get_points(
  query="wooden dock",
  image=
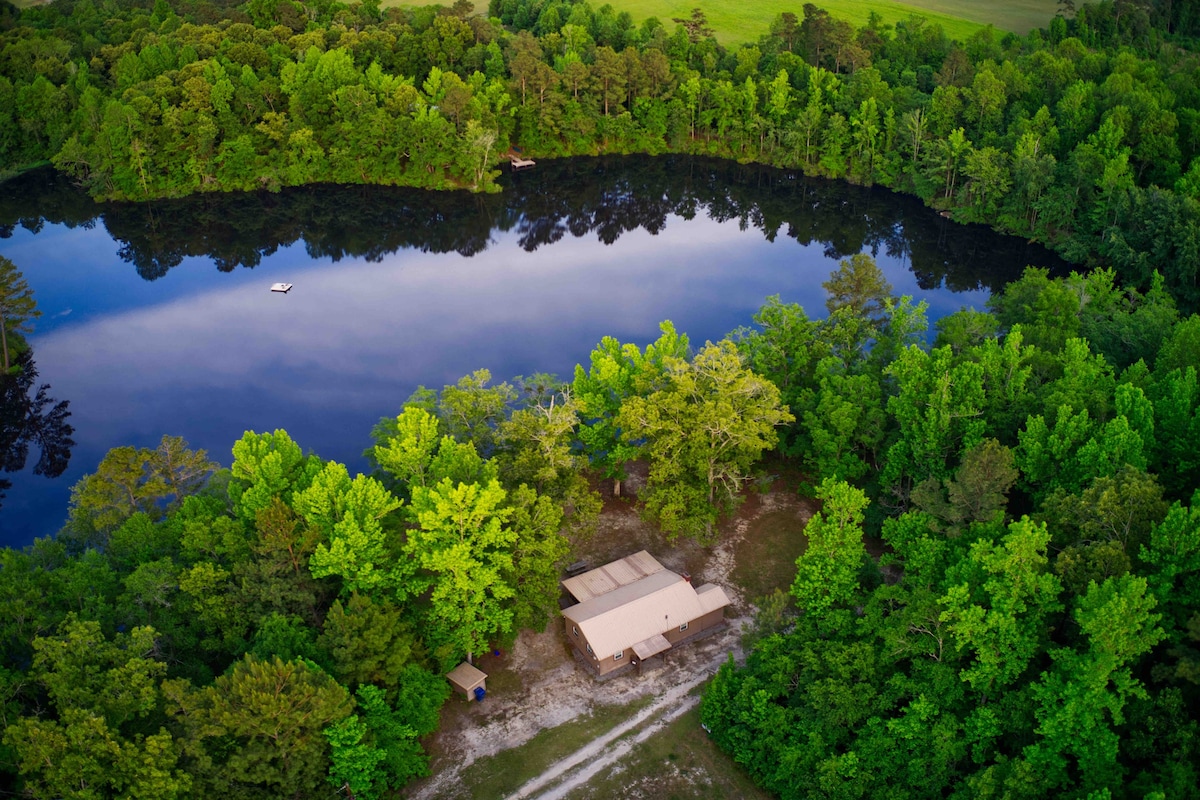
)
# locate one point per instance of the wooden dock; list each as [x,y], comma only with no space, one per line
[522,163]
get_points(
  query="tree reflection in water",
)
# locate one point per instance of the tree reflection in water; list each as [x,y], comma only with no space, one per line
[29,416]
[606,197]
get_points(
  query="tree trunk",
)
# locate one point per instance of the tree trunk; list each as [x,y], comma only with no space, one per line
[616,487]
[4,339]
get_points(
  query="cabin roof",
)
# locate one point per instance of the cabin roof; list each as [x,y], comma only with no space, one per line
[636,612]
[613,575]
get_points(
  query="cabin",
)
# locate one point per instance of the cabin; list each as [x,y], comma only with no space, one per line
[633,609]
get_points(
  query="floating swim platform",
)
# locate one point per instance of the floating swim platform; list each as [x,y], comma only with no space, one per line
[281,287]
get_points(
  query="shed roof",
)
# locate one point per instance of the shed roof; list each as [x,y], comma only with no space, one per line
[637,611]
[613,575]
[466,677]
[651,647]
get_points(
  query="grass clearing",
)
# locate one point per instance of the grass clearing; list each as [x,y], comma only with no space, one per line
[1019,16]
[739,21]
[481,6]
[505,772]
[766,557]
[736,23]
[680,762]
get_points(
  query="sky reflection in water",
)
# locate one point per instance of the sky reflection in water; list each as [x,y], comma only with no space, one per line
[208,355]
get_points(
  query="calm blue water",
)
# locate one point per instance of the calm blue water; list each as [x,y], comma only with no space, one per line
[207,354]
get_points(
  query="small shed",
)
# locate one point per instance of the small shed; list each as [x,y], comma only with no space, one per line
[466,679]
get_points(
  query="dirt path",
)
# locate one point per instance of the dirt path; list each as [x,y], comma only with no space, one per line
[605,751]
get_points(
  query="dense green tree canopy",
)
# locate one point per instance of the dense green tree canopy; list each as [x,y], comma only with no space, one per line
[999,653]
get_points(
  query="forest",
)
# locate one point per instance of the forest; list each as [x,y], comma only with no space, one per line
[1031,628]
[278,628]
[1082,135]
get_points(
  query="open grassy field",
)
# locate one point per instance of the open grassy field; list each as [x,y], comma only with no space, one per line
[738,21]
[1020,16]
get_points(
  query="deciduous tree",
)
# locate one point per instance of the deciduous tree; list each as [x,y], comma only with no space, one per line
[704,431]
[617,373]
[464,550]
[827,570]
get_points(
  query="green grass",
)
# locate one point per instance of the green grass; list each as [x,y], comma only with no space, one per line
[678,762]
[1019,16]
[739,21]
[766,559]
[481,6]
[502,774]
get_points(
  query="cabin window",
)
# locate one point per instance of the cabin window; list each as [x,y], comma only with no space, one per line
[589,647]
[618,656]
[574,630]
[683,627]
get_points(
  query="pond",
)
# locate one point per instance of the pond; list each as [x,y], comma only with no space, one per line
[160,319]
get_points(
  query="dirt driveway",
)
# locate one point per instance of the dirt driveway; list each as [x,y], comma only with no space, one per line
[542,687]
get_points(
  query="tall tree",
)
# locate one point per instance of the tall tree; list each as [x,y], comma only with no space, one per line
[136,480]
[998,612]
[1088,690]
[349,515]
[256,731]
[103,691]
[827,570]
[17,306]
[464,550]
[266,465]
[618,372]
[368,641]
[704,431]
[938,408]
[471,409]
[537,448]
[405,447]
